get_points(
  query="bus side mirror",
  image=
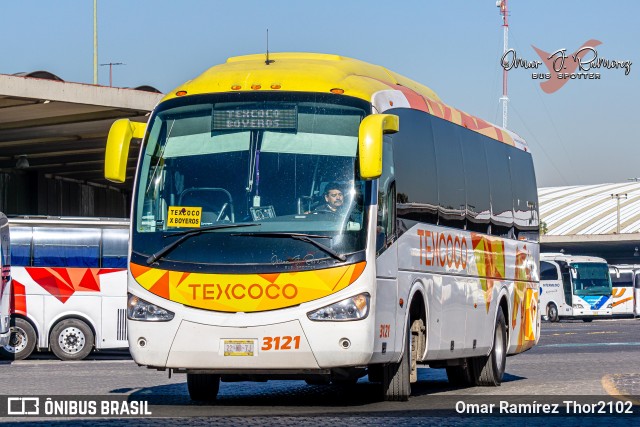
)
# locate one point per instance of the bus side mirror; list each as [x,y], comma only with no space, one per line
[371,132]
[117,152]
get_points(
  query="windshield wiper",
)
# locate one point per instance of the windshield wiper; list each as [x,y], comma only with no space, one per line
[303,238]
[189,233]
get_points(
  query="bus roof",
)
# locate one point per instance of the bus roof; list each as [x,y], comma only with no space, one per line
[61,221]
[570,258]
[325,73]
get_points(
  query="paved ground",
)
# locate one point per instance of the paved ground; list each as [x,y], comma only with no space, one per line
[577,361]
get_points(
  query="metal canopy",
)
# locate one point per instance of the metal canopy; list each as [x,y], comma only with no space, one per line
[62,127]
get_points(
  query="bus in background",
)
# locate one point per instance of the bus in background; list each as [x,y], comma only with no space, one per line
[317,217]
[623,278]
[69,286]
[5,279]
[576,287]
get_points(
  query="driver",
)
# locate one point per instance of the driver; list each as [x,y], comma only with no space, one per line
[334,199]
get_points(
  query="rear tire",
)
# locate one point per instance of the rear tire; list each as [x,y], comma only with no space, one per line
[461,375]
[22,341]
[203,387]
[552,313]
[490,369]
[71,339]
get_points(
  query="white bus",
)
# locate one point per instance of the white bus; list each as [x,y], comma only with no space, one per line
[5,279]
[68,286]
[574,287]
[276,233]
[623,280]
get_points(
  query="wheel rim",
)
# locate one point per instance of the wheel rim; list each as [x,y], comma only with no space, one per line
[499,347]
[552,312]
[71,340]
[17,341]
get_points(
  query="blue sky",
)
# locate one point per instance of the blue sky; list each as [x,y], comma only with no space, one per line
[585,133]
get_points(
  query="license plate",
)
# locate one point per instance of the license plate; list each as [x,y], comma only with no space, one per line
[238,347]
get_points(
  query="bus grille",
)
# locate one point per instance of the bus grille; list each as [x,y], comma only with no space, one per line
[121,330]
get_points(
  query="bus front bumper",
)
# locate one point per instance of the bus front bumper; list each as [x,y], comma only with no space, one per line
[187,345]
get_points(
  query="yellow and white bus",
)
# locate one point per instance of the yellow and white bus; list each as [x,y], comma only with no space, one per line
[623,281]
[239,269]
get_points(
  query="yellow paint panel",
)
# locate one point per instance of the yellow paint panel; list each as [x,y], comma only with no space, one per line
[247,292]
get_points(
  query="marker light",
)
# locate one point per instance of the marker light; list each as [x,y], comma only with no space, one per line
[181,93]
[256,87]
[337,90]
[236,87]
[139,309]
[354,308]
[276,86]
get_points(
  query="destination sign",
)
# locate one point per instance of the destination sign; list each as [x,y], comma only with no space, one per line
[256,117]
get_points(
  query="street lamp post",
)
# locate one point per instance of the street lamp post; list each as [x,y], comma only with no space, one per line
[618,196]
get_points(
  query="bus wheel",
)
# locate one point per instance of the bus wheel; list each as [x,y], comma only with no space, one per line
[490,369]
[461,375]
[71,339]
[22,341]
[396,377]
[552,313]
[203,387]
[587,320]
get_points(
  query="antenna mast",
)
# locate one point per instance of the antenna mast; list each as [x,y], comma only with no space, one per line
[504,11]
[268,61]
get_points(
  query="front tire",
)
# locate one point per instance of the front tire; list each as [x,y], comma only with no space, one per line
[22,341]
[490,369]
[552,313]
[71,339]
[397,377]
[203,387]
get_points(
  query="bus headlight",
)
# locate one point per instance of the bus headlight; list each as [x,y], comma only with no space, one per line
[354,308]
[577,306]
[139,309]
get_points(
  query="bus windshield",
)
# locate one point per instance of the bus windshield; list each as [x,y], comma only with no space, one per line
[266,160]
[590,279]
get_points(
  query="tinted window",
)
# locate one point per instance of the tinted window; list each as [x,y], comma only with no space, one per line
[20,246]
[66,247]
[115,243]
[477,181]
[451,190]
[501,196]
[621,279]
[525,194]
[548,271]
[416,178]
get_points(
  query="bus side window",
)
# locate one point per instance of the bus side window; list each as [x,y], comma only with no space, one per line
[451,183]
[476,173]
[548,271]
[501,192]
[66,247]
[115,243]
[21,246]
[385,229]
